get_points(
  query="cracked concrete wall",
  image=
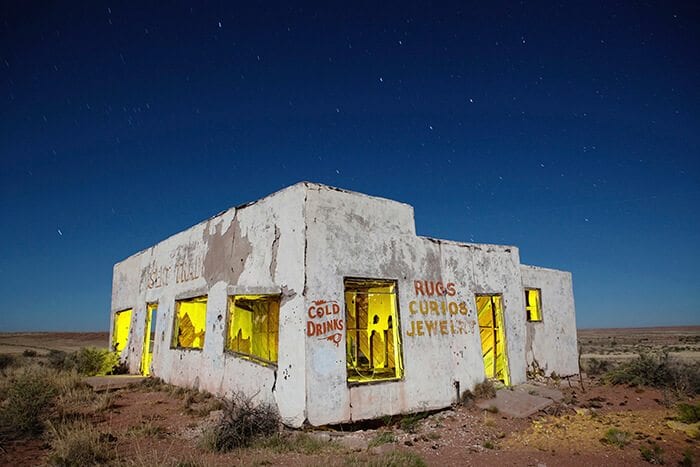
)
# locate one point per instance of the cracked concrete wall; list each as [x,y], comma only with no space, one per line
[359,236]
[247,250]
[552,342]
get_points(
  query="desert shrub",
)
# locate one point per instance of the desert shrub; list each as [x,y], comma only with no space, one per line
[652,454]
[56,359]
[595,367]
[485,390]
[29,353]
[659,372]
[409,423]
[76,399]
[616,437]
[398,459]
[79,444]
[385,437]
[6,361]
[88,361]
[28,397]
[391,459]
[688,413]
[242,423]
[91,361]
[687,459]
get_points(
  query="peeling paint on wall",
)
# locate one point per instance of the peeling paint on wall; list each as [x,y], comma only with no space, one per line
[302,245]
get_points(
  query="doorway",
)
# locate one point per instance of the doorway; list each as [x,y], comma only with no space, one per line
[493,342]
[149,338]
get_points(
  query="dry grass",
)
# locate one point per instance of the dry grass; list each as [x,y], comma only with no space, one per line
[78,444]
[392,459]
[27,394]
[242,423]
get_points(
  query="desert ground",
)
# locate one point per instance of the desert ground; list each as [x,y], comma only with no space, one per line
[596,422]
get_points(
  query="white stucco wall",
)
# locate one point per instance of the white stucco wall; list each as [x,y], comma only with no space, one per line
[552,342]
[358,236]
[301,242]
[252,249]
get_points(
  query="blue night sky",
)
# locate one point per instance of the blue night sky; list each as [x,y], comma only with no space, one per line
[571,131]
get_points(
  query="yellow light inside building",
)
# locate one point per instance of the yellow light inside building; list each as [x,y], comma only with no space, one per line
[120,332]
[372,338]
[190,323]
[253,326]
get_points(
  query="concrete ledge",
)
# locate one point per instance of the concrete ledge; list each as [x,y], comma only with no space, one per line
[518,404]
[105,383]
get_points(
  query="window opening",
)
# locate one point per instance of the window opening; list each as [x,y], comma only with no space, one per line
[533,304]
[372,331]
[190,323]
[149,338]
[493,341]
[120,333]
[253,326]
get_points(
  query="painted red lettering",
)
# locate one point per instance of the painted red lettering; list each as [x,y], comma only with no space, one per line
[451,289]
[418,285]
[439,288]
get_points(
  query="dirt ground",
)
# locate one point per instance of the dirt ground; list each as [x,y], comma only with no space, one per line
[43,342]
[162,425]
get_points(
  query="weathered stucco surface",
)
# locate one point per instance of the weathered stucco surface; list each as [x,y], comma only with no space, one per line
[551,344]
[302,242]
[253,249]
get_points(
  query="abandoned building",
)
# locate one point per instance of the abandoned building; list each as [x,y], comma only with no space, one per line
[327,305]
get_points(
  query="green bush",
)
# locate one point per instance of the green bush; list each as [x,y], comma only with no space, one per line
[28,397]
[657,371]
[687,459]
[652,454]
[391,459]
[595,367]
[242,423]
[615,437]
[384,437]
[409,423]
[88,361]
[688,413]
[6,361]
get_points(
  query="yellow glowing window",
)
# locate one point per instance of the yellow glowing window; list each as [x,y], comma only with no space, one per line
[533,304]
[372,331]
[253,326]
[190,323]
[120,333]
